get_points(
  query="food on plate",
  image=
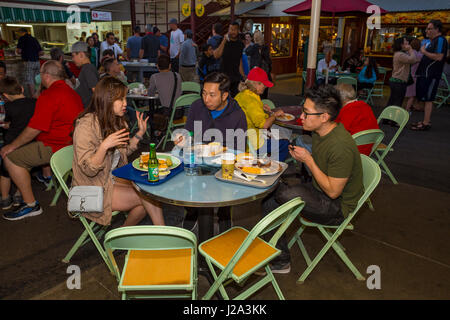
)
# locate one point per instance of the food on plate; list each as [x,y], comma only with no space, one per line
[164,164]
[286,117]
[245,156]
[252,170]
[210,150]
[264,162]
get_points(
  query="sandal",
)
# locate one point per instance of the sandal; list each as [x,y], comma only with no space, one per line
[421,127]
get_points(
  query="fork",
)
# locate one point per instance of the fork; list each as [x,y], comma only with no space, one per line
[252,178]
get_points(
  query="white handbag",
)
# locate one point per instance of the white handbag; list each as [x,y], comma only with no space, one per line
[85,199]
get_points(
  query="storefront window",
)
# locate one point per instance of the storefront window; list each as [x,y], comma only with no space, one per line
[281,40]
[380,41]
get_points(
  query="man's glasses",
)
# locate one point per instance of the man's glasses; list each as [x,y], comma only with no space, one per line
[312,114]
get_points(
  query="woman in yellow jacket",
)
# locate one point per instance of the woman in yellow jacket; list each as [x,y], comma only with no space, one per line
[260,118]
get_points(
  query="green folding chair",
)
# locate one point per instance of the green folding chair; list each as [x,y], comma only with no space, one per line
[378,86]
[135,85]
[399,116]
[61,164]
[269,103]
[181,102]
[371,136]
[159,258]
[190,87]
[348,80]
[304,82]
[238,253]
[443,93]
[372,175]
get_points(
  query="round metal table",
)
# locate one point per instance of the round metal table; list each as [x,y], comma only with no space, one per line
[202,192]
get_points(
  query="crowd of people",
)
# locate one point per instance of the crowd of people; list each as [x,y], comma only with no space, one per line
[89,111]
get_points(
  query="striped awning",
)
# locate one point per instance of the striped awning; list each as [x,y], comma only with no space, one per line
[14,15]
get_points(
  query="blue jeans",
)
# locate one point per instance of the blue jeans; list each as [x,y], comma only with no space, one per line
[283,149]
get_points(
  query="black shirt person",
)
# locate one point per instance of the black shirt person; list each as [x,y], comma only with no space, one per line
[231,50]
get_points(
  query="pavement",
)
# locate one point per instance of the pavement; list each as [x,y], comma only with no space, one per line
[406,237]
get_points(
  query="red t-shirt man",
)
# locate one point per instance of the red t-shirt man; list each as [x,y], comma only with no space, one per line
[358,116]
[56,109]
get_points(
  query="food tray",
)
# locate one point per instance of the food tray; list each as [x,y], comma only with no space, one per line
[129,173]
[270,180]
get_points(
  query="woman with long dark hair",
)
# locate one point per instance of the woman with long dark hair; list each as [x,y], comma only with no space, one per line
[368,74]
[403,58]
[101,143]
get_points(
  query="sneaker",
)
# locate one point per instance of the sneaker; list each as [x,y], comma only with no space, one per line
[17,200]
[6,203]
[23,211]
[276,267]
[45,180]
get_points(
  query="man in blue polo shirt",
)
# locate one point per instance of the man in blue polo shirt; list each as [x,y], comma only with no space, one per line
[30,50]
[429,71]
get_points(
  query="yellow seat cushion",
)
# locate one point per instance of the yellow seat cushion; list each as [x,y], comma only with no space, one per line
[180,121]
[158,267]
[223,247]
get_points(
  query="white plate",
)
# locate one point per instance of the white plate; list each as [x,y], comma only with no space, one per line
[286,117]
[274,168]
[205,151]
[176,162]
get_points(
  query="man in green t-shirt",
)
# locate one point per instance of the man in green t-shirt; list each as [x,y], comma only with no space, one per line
[335,165]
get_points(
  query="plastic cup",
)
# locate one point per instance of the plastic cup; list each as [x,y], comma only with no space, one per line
[228,165]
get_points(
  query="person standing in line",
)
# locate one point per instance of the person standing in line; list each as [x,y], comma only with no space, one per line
[88,76]
[176,39]
[429,71]
[93,50]
[163,41]
[134,44]
[149,46]
[215,42]
[30,50]
[110,43]
[188,58]
[259,54]
[230,50]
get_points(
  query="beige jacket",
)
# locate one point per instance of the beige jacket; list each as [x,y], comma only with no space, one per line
[402,65]
[86,140]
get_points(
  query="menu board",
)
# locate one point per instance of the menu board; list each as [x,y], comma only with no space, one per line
[416,17]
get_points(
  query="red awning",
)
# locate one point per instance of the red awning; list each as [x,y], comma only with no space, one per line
[333,6]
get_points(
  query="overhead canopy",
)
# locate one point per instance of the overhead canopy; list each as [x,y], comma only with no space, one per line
[333,6]
[241,8]
[38,12]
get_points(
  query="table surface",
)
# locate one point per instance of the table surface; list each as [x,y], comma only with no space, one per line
[296,111]
[138,96]
[202,191]
[138,64]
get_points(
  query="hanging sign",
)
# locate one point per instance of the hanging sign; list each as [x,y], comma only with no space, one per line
[101,16]
[186,9]
[199,10]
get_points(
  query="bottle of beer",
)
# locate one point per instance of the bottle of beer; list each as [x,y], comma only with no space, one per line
[153,171]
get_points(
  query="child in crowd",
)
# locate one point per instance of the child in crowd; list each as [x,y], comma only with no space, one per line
[18,112]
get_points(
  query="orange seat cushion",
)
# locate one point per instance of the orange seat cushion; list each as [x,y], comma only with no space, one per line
[158,267]
[180,121]
[223,247]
